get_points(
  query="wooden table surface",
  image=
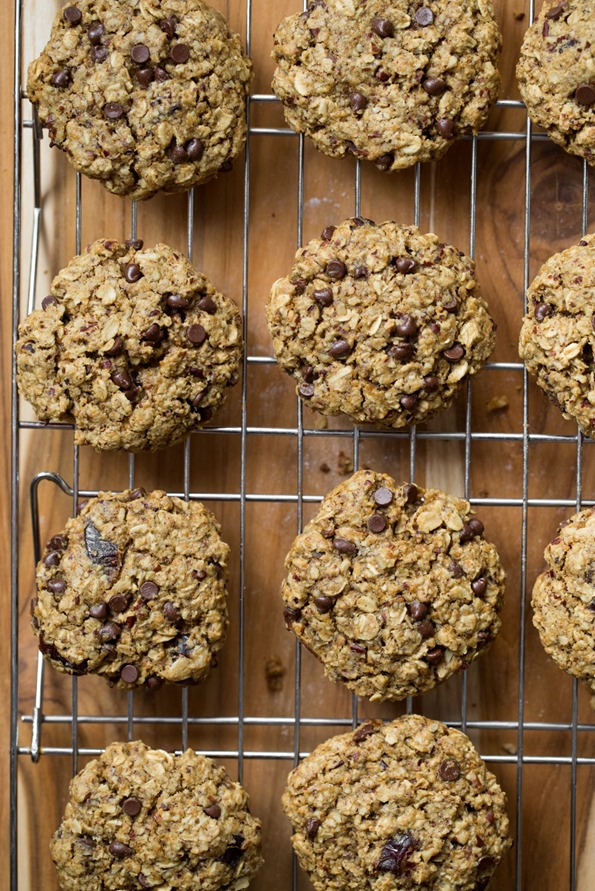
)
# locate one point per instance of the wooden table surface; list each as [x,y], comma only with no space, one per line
[541,815]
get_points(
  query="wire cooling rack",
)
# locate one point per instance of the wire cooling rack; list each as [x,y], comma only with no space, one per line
[30,724]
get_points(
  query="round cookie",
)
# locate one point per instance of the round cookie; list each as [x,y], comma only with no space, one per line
[393,83]
[381,322]
[144,95]
[556,76]
[393,588]
[134,589]
[403,805]
[557,339]
[564,598]
[133,344]
[143,818]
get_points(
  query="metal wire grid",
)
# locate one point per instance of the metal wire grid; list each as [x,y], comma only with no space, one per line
[298,498]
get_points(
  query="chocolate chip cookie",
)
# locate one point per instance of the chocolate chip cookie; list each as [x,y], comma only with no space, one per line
[143,818]
[391,82]
[557,335]
[381,322]
[133,344]
[144,95]
[564,598]
[393,588]
[556,76]
[134,589]
[403,805]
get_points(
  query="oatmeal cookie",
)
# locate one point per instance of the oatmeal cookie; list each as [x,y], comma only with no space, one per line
[406,805]
[133,344]
[394,83]
[393,588]
[557,336]
[134,589]
[556,74]
[381,322]
[143,818]
[143,95]
[564,598]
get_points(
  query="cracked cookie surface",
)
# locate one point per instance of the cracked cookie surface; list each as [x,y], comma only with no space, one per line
[139,817]
[381,322]
[393,588]
[557,336]
[133,343]
[394,83]
[556,75]
[134,589]
[146,95]
[406,805]
[564,598]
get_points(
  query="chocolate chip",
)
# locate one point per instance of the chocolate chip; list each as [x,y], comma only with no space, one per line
[445,127]
[171,613]
[382,75]
[431,383]
[58,542]
[406,326]
[161,74]
[291,615]
[542,310]
[98,611]
[99,53]
[148,590]
[62,78]
[213,811]
[117,349]
[405,265]
[449,771]
[383,496]
[143,881]
[48,301]
[336,270]
[323,603]
[122,380]
[72,15]
[113,111]
[384,162]
[456,570]
[99,550]
[451,304]
[57,585]
[153,683]
[308,373]
[357,222]
[199,574]
[424,16]
[180,53]
[176,301]
[426,629]
[360,272]
[153,334]
[132,273]
[178,154]
[402,352]
[118,603]
[145,76]
[394,857]
[479,586]
[411,493]
[435,656]
[169,25]
[194,149]
[343,546]
[196,334]
[136,244]
[358,102]
[382,27]
[328,232]
[131,806]
[585,94]
[129,674]
[120,850]
[434,86]
[409,401]
[556,11]
[363,731]
[377,523]
[96,33]
[312,827]
[476,526]
[324,296]
[485,863]
[417,610]
[140,53]
[454,353]
[109,631]
[233,852]
[306,391]
[339,349]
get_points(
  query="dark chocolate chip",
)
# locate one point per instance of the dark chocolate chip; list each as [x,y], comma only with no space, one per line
[213,811]
[434,86]
[405,265]
[451,304]
[445,127]
[479,586]
[109,631]
[58,542]
[476,526]
[99,550]
[360,272]
[486,863]
[133,273]
[143,881]
[312,827]
[176,301]
[456,570]
[171,613]
[180,53]
[382,75]
[120,850]
[406,326]
[424,16]
[140,53]
[168,26]
[306,390]
[394,857]
[48,301]
[426,629]
[148,590]
[99,53]
[383,496]
[57,585]
[431,383]
[232,854]
[344,546]
[291,615]
[324,296]
[411,493]
[119,603]
[196,334]
[449,771]
[72,15]
[117,349]
[328,232]
[145,76]
[135,243]
[382,27]
[153,334]
[402,352]
[122,380]
[161,74]
[131,806]
[178,154]
[556,11]
[96,33]
[323,603]
[409,401]
[199,574]
[336,270]
[98,611]
[129,674]
[384,162]
[585,94]
[153,683]
[62,78]
[113,111]
[435,656]
[377,523]
[417,610]
[358,102]
[339,349]
[363,731]
[542,310]
[454,353]
[194,149]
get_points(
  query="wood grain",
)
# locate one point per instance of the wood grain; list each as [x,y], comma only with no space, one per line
[271,463]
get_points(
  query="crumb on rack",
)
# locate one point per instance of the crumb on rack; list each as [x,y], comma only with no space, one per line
[274,672]
[497,403]
[344,463]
